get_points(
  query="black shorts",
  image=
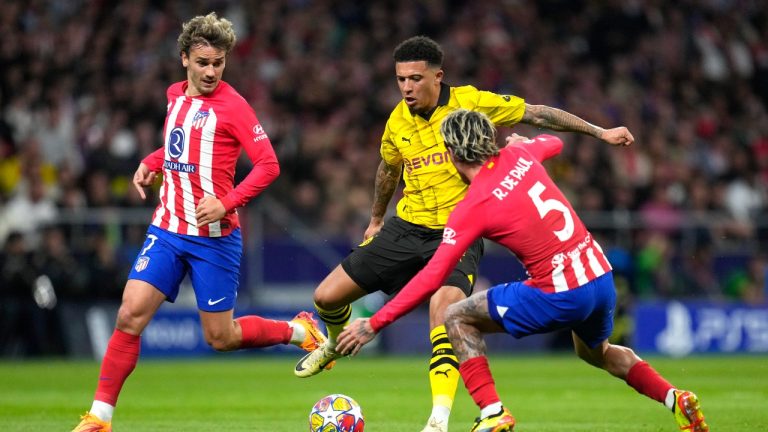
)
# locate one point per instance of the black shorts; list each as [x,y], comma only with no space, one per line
[394,256]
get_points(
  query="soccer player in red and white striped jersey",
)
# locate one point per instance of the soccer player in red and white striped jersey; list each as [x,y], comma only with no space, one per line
[195,229]
[513,201]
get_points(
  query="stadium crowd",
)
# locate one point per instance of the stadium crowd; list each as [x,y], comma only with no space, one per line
[82,99]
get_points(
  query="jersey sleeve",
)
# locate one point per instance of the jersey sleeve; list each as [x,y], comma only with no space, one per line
[154,160]
[250,134]
[389,151]
[542,147]
[462,229]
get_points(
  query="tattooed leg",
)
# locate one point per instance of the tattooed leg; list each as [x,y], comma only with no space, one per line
[466,322]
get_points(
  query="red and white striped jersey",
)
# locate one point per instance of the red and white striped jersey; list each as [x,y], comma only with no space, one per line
[204,136]
[515,203]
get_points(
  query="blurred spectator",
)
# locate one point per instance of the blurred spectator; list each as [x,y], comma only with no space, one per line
[55,260]
[30,209]
[25,327]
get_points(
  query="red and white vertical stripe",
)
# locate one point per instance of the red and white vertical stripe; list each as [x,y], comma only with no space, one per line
[181,191]
[581,268]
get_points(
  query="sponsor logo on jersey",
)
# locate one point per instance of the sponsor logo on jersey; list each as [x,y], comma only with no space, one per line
[449,236]
[437,158]
[573,254]
[516,174]
[141,263]
[199,119]
[180,167]
[176,142]
[258,133]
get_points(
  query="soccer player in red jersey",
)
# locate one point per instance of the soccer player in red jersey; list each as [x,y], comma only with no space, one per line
[195,228]
[513,201]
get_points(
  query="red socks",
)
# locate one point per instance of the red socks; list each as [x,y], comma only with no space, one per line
[643,378]
[261,332]
[479,382]
[119,361]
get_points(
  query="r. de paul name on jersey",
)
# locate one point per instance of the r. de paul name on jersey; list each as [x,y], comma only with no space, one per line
[512,179]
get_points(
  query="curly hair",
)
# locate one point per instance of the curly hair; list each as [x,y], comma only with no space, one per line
[208,30]
[419,48]
[470,136]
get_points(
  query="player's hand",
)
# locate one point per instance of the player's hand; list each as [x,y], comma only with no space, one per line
[514,138]
[373,228]
[142,178]
[618,136]
[354,336]
[209,209]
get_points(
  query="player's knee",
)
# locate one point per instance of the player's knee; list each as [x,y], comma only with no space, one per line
[220,341]
[327,299]
[128,320]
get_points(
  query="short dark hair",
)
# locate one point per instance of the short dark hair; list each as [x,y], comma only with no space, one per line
[419,48]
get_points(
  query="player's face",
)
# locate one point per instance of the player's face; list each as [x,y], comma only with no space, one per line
[419,85]
[205,65]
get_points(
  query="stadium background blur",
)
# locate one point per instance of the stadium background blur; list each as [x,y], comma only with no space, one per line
[682,214]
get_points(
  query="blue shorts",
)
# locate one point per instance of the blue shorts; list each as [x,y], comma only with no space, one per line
[213,265]
[587,310]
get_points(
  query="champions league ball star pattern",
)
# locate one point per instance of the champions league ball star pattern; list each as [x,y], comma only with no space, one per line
[336,413]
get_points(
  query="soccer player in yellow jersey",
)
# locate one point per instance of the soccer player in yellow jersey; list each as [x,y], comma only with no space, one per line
[394,251]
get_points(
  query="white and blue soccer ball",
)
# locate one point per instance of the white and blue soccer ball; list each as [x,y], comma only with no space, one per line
[336,413]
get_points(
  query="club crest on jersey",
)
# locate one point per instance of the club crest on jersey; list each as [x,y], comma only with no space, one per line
[141,263]
[199,119]
[448,236]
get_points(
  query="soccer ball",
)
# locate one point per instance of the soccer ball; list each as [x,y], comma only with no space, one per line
[336,413]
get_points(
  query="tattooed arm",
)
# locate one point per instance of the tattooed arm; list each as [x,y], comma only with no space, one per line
[387,179]
[543,116]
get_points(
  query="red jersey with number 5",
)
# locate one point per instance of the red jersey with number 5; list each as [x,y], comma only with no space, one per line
[204,136]
[515,203]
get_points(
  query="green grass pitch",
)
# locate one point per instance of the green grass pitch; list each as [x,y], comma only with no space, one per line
[260,393]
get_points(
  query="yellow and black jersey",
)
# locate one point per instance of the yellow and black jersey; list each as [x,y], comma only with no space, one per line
[432,185]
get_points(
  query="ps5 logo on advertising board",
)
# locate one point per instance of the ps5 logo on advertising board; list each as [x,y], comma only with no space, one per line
[702,327]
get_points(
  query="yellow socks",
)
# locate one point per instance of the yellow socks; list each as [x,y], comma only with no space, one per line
[443,373]
[334,320]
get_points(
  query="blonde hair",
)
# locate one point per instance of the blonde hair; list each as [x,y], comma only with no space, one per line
[208,30]
[470,135]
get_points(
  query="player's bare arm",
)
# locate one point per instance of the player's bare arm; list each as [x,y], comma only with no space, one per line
[143,177]
[467,337]
[543,116]
[387,179]
[357,334]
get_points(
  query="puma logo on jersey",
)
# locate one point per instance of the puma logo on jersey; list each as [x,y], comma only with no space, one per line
[444,372]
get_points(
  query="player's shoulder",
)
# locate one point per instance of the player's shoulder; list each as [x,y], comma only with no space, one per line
[232,97]
[464,90]
[175,89]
